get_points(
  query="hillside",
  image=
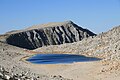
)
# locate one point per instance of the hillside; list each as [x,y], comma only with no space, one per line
[46,34]
[105,45]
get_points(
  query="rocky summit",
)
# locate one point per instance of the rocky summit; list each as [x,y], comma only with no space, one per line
[46,34]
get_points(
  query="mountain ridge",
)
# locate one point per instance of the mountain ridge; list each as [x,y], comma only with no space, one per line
[105,45]
[47,34]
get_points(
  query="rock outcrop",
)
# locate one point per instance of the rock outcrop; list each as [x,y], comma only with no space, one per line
[105,45]
[47,34]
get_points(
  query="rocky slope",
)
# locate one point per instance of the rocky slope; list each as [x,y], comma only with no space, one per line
[105,45]
[12,67]
[46,34]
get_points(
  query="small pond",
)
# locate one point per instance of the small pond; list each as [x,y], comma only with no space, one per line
[59,58]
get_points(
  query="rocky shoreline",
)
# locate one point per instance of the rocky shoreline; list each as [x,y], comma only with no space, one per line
[13,68]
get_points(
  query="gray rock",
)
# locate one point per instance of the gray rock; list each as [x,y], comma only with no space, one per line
[7,77]
[48,34]
[1,75]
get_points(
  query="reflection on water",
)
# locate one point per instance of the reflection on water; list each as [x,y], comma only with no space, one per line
[59,58]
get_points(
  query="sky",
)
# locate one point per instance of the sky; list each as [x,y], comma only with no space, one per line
[95,15]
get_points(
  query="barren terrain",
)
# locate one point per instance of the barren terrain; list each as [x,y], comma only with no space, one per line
[13,64]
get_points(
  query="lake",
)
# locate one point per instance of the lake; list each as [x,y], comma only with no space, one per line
[59,58]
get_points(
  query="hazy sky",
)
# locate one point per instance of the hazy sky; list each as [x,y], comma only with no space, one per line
[96,15]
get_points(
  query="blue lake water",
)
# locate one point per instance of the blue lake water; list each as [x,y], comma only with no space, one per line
[59,58]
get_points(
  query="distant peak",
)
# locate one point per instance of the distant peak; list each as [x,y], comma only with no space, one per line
[68,22]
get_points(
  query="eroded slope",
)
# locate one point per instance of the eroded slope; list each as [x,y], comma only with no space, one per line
[47,34]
